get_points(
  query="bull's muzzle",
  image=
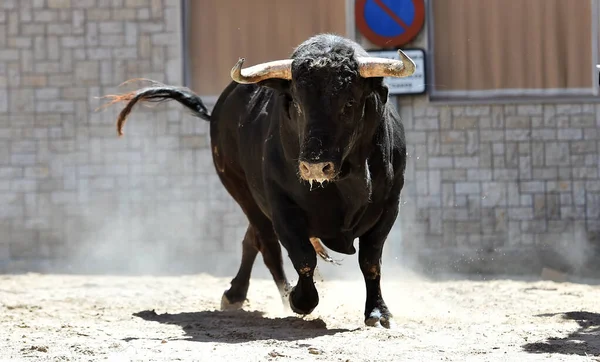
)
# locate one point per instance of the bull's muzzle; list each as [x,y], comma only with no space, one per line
[317,172]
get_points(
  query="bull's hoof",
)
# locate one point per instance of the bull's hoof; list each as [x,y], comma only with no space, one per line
[285,299]
[302,305]
[227,305]
[377,318]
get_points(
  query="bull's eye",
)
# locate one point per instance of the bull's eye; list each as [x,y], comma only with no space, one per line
[348,106]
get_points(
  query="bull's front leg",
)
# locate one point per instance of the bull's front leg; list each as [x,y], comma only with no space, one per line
[369,258]
[290,227]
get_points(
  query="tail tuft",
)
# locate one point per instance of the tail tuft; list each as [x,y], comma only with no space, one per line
[158,93]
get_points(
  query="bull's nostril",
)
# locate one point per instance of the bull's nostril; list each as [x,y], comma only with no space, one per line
[304,168]
[316,171]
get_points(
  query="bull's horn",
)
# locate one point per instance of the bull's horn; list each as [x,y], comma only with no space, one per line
[383,67]
[276,69]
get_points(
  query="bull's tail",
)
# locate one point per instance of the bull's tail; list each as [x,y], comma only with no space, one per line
[158,93]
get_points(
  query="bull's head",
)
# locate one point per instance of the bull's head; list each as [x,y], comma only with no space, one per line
[333,100]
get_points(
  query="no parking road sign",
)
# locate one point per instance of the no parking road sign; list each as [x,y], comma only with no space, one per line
[390,23]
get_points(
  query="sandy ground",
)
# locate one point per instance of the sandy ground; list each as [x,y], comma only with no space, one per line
[116,318]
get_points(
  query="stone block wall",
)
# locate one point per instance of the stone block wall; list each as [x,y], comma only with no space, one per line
[508,188]
[492,178]
[70,190]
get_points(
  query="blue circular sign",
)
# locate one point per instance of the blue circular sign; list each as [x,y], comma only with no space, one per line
[390,23]
[382,23]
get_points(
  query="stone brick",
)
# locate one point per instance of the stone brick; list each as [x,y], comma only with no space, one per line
[32,29]
[435,221]
[124,53]
[532,186]
[3,100]
[505,174]
[468,227]
[136,3]
[27,60]
[479,175]
[534,226]
[435,181]
[463,123]
[20,42]
[520,213]
[518,134]
[485,156]
[440,162]
[457,149]
[553,206]
[592,211]
[422,188]
[577,161]
[511,155]
[491,136]
[430,123]
[453,137]
[455,214]
[557,153]
[497,117]
[537,122]
[87,70]
[35,81]
[525,148]
[112,27]
[59,29]
[493,194]
[568,108]
[591,134]
[45,16]
[570,134]
[59,4]
[583,121]
[526,200]
[525,168]
[9,54]
[518,122]
[467,188]
[530,110]
[98,14]
[585,173]
[549,173]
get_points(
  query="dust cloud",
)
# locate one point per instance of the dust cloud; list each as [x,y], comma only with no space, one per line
[154,205]
[151,202]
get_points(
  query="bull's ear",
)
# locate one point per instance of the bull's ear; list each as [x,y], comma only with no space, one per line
[281,85]
[377,99]
[379,87]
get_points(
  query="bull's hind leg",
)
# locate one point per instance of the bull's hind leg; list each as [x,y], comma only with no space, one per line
[256,240]
[234,297]
[259,237]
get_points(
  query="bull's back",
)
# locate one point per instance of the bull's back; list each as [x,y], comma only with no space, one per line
[240,122]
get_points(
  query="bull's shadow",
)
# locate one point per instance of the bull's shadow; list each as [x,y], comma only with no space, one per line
[584,341]
[240,326]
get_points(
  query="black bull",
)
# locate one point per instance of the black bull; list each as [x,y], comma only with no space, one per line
[312,152]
